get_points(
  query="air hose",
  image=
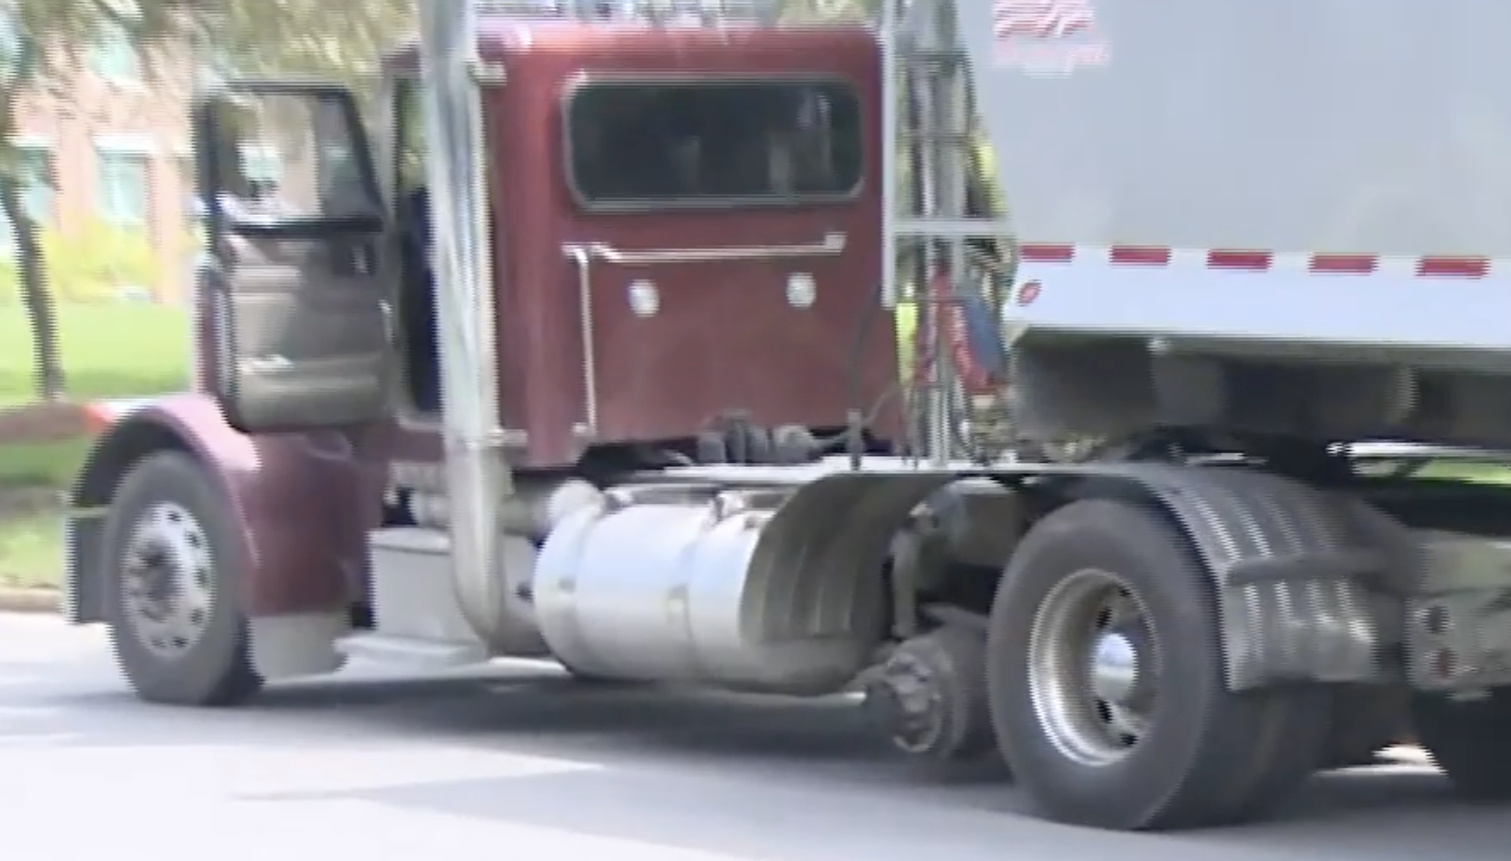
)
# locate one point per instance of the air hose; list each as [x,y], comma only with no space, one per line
[969,329]
[971,335]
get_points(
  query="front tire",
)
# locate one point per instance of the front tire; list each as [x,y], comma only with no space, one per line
[1106,689]
[172,571]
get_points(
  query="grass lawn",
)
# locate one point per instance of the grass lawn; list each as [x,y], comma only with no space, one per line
[41,464]
[1473,472]
[109,351]
[30,550]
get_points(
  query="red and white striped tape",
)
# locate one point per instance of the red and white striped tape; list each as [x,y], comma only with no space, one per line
[1236,260]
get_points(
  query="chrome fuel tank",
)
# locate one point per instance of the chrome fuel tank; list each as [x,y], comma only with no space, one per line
[656,585]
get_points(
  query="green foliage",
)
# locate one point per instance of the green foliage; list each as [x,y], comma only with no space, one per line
[344,40]
[905,325]
[45,44]
[98,262]
[10,283]
[95,264]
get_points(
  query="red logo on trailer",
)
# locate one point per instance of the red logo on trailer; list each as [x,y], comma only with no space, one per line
[1047,37]
[1029,293]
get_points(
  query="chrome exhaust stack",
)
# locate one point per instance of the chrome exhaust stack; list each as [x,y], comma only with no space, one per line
[477,478]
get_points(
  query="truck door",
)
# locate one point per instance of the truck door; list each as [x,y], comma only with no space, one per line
[299,315]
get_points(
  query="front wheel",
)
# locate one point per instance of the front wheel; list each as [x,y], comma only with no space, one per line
[1105,682]
[178,633]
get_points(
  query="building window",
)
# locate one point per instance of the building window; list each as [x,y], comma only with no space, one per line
[121,187]
[188,189]
[114,55]
[37,170]
[36,167]
[11,43]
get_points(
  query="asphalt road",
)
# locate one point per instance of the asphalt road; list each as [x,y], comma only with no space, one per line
[520,764]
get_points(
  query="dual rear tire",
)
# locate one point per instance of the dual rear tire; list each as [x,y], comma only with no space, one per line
[1112,708]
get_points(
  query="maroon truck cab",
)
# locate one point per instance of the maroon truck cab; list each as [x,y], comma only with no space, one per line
[687,222]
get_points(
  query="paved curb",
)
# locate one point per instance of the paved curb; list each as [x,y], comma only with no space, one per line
[28,600]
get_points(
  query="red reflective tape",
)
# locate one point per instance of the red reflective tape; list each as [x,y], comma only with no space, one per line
[1257,260]
[1453,267]
[98,417]
[1047,253]
[1343,264]
[1136,255]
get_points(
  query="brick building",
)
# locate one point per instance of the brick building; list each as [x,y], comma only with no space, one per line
[116,144]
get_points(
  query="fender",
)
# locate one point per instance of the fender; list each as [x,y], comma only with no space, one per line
[296,496]
[1307,582]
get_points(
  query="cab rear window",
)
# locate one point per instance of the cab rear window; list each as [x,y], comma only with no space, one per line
[647,145]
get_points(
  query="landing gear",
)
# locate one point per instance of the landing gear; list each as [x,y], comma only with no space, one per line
[1106,687]
[930,695]
[1470,742]
[177,633]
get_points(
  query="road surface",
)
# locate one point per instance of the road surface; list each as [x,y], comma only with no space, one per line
[521,765]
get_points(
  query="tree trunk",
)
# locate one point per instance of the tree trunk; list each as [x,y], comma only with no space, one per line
[50,384]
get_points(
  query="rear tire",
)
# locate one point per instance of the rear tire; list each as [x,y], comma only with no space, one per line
[172,571]
[1120,718]
[1470,742]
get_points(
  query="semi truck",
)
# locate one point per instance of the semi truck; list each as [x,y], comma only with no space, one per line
[573,344]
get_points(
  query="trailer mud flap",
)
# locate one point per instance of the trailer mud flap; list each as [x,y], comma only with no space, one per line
[1307,582]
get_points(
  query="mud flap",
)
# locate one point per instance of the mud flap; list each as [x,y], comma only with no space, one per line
[1302,576]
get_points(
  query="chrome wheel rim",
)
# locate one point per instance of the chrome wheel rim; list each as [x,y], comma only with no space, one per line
[1093,668]
[168,586]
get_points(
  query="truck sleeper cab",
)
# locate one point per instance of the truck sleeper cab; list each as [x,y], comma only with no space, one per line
[685,226]
[685,230]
